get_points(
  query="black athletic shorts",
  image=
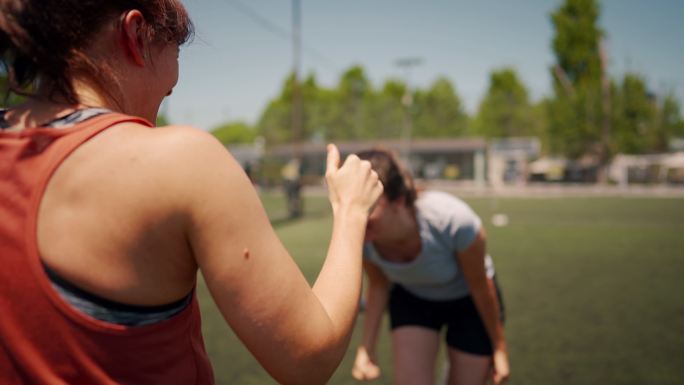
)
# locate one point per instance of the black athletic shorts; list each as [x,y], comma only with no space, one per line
[465,330]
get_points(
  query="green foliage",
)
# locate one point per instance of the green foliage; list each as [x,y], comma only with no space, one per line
[320,111]
[635,123]
[7,98]
[579,118]
[505,110]
[575,114]
[635,110]
[353,94]
[670,122]
[354,110]
[574,127]
[319,107]
[539,120]
[162,120]
[276,121]
[388,113]
[235,132]
[3,87]
[438,111]
[576,41]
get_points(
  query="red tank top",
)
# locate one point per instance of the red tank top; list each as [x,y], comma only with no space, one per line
[43,339]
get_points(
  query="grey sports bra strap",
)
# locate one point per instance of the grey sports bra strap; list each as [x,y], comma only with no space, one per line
[76,117]
[110,311]
[66,121]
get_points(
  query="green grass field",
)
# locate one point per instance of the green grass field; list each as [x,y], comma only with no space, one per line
[592,288]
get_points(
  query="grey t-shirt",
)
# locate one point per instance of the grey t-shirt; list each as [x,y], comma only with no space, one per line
[447,225]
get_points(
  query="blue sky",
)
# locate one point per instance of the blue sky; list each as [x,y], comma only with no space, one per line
[238,62]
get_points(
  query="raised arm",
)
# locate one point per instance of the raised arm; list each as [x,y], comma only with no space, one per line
[483,292]
[377,293]
[298,334]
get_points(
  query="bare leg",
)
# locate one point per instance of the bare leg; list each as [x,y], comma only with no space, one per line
[468,369]
[414,350]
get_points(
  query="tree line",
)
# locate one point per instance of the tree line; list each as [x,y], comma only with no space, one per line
[588,112]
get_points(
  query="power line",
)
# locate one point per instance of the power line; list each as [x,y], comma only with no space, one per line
[278,31]
[260,20]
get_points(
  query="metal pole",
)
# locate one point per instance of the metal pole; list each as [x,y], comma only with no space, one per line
[294,186]
[604,157]
[296,64]
[407,64]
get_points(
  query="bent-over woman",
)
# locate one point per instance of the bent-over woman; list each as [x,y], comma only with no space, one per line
[426,261]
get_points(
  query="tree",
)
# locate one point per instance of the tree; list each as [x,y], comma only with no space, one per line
[505,110]
[344,112]
[354,95]
[576,42]
[635,111]
[162,120]
[320,109]
[387,113]
[575,114]
[540,123]
[438,112]
[275,123]
[670,123]
[7,98]
[234,132]
[4,91]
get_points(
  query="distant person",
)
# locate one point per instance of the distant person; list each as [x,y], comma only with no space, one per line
[292,184]
[105,220]
[425,258]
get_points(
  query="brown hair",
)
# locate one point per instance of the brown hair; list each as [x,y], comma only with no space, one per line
[45,41]
[395,177]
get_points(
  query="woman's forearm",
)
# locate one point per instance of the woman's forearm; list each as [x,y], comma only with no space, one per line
[376,302]
[338,284]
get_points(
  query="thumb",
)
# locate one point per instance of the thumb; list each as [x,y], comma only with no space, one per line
[333,161]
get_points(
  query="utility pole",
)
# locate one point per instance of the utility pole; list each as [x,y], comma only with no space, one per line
[606,108]
[407,63]
[296,64]
[291,173]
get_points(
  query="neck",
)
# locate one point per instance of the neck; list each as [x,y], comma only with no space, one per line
[43,108]
[90,96]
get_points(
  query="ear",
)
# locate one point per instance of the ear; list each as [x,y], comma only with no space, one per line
[132,34]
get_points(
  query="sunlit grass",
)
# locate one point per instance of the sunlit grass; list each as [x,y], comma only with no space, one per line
[591,285]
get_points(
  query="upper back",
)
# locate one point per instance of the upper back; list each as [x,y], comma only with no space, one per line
[109,221]
[66,200]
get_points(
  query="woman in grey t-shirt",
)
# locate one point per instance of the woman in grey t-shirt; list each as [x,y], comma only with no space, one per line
[426,261]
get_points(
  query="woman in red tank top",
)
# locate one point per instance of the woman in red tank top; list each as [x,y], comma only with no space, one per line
[107,214]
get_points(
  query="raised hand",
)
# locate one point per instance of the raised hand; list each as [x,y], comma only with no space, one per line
[354,184]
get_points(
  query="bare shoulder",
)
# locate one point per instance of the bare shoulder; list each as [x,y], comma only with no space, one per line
[171,152]
[174,145]
[184,137]
[192,158]
[167,166]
